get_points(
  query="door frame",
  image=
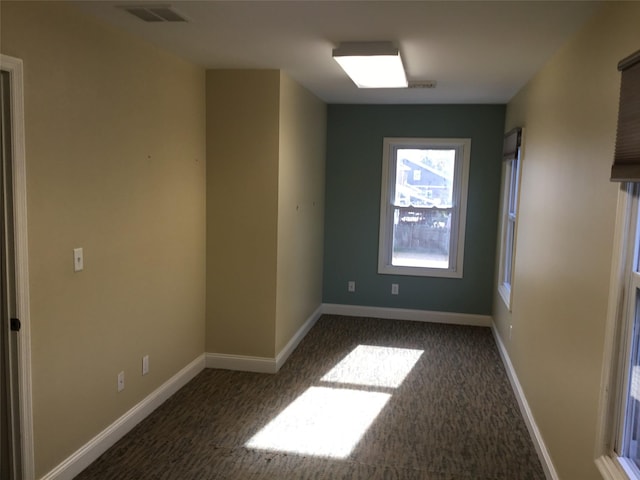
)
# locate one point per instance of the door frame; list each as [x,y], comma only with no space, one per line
[15,69]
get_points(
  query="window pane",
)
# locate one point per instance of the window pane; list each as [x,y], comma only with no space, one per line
[422,207]
[424,177]
[636,251]
[508,252]
[632,418]
[513,187]
[510,206]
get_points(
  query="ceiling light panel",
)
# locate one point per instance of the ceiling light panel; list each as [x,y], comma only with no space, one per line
[372,64]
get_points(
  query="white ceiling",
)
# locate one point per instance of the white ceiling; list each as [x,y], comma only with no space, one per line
[477,51]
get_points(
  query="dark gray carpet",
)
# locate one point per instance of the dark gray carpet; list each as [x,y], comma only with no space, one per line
[454,416]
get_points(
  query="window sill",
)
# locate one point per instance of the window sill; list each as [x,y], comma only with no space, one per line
[419,271]
[613,469]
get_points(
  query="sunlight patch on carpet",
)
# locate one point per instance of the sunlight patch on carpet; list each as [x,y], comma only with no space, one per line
[374,366]
[325,422]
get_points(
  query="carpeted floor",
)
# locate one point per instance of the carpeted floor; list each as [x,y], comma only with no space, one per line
[360,398]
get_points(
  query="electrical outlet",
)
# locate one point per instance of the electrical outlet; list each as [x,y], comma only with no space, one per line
[145,364]
[395,289]
[121,381]
[351,286]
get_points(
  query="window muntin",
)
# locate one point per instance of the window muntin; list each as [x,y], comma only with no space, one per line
[422,215]
[509,221]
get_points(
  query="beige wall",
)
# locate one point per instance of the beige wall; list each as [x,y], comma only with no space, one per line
[300,208]
[115,148]
[242,210]
[265,210]
[565,234]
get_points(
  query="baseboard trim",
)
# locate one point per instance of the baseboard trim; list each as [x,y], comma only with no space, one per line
[99,444]
[525,410]
[408,314]
[88,453]
[242,363]
[245,363]
[284,354]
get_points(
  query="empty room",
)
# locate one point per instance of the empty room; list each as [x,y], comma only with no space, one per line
[228,255]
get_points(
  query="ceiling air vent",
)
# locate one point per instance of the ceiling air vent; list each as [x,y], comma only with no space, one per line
[155,14]
[423,84]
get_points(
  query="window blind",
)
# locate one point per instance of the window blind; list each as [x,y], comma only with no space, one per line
[511,144]
[626,161]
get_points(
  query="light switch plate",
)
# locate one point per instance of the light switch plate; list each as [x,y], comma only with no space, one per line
[78,260]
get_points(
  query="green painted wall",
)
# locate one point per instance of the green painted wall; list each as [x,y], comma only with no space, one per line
[352,211]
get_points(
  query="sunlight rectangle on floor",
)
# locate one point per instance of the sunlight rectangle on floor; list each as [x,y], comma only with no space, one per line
[374,366]
[324,422]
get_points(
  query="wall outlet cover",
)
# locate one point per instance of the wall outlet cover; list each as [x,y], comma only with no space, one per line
[121,381]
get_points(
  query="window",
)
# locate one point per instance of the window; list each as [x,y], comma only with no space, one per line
[620,430]
[422,215]
[618,433]
[629,445]
[510,189]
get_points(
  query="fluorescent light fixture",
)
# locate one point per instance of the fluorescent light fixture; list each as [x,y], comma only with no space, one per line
[371,64]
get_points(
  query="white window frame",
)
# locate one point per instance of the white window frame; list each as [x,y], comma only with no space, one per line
[459,209]
[623,292]
[509,227]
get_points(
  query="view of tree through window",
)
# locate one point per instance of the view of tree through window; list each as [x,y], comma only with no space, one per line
[423,205]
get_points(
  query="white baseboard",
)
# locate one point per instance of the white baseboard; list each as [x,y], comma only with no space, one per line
[262,364]
[88,453]
[99,444]
[408,314]
[536,436]
[272,365]
[242,363]
[297,338]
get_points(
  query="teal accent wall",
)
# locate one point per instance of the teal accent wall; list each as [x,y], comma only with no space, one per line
[352,212]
